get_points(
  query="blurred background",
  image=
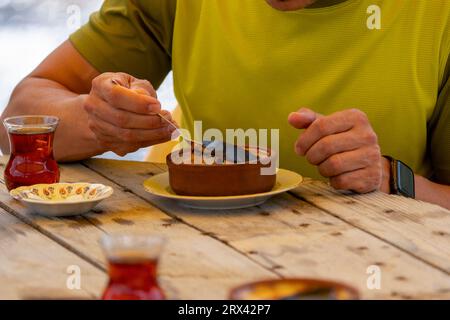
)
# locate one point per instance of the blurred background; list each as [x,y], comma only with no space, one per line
[31,29]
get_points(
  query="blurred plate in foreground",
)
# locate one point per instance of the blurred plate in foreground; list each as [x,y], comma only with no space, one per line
[294,289]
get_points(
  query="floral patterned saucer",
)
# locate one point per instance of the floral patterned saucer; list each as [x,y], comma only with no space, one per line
[62,199]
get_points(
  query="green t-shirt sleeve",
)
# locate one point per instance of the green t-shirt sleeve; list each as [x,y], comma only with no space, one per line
[134,37]
[439,134]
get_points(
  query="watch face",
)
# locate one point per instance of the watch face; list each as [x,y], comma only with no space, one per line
[405,180]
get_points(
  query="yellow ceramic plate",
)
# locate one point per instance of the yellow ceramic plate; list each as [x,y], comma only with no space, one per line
[159,186]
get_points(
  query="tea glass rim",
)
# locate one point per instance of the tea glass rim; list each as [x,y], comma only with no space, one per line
[47,121]
[147,246]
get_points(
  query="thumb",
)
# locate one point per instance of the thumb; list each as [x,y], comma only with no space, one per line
[129,82]
[303,118]
[143,87]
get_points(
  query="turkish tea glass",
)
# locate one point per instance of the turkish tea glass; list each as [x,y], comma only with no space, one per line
[132,267]
[31,146]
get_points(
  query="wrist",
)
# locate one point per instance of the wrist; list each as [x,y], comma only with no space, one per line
[400,178]
[386,175]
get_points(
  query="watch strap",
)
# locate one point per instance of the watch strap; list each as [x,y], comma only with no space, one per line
[392,176]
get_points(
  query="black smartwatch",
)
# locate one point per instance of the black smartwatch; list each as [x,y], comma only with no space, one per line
[401,179]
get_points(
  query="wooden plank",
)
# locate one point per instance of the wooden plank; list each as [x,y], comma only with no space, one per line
[193,266]
[419,228]
[34,266]
[295,239]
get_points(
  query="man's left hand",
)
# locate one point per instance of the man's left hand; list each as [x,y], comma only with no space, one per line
[344,147]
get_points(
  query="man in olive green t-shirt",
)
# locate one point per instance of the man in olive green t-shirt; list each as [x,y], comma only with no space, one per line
[373,77]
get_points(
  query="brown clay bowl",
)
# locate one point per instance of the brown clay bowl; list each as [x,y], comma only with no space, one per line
[219,180]
[294,289]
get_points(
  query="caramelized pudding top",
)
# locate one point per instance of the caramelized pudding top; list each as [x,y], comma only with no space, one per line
[216,152]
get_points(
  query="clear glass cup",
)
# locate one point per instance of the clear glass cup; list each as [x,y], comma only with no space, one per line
[31,146]
[132,267]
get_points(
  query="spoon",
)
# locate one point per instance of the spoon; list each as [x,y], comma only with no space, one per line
[177,129]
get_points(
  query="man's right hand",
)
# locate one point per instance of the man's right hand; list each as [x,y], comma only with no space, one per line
[124,117]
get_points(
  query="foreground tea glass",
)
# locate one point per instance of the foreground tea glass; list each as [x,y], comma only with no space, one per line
[31,145]
[133,264]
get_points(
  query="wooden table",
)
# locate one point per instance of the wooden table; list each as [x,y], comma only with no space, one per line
[311,232]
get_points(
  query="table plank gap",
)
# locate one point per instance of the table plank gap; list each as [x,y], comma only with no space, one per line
[36,267]
[375,235]
[49,235]
[420,228]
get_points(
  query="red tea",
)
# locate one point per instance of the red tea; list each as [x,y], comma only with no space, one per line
[31,160]
[132,279]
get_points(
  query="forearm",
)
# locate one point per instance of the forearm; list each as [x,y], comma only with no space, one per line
[425,189]
[429,191]
[36,96]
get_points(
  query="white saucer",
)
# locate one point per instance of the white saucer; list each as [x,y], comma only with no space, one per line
[62,199]
[159,186]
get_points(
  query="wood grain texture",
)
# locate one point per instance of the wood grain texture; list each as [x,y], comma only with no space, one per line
[420,228]
[194,265]
[295,239]
[33,266]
